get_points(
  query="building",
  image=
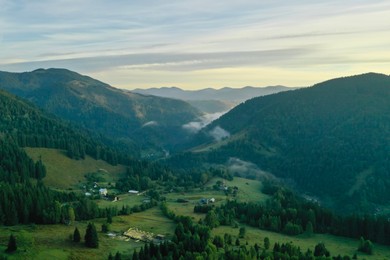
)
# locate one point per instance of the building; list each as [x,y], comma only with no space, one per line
[103,192]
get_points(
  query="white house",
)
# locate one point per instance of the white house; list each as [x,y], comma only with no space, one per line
[133,191]
[103,191]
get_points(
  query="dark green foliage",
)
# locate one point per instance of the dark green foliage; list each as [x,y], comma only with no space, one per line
[211,219]
[218,241]
[91,236]
[242,232]
[118,256]
[76,235]
[27,126]
[100,108]
[284,210]
[109,217]
[266,243]
[12,247]
[365,246]
[105,227]
[320,250]
[292,229]
[322,137]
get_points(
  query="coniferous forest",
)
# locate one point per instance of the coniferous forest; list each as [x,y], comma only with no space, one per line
[182,179]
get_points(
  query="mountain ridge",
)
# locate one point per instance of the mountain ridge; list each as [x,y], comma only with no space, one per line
[225,93]
[322,137]
[100,107]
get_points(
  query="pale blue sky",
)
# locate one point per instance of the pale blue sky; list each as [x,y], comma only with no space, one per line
[197,44]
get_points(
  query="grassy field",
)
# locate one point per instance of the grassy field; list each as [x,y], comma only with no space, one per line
[335,245]
[64,173]
[52,241]
[248,190]
[124,199]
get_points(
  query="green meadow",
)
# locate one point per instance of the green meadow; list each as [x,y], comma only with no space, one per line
[53,241]
[64,173]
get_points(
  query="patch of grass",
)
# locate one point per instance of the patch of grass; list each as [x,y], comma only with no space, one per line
[248,191]
[336,245]
[124,200]
[52,241]
[64,173]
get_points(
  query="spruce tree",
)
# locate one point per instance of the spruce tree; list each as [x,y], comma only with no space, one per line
[76,235]
[91,236]
[118,256]
[11,244]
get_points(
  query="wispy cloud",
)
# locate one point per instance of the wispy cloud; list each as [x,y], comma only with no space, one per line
[119,37]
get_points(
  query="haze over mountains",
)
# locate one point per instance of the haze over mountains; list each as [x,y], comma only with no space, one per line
[213,100]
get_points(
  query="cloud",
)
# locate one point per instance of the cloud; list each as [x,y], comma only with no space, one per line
[247,169]
[137,38]
[195,126]
[218,133]
[150,123]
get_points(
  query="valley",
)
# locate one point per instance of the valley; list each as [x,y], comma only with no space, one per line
[225,184]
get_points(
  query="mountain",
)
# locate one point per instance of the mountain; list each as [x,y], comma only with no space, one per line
[211,100]
[134,118]
[228,94]
[331,140]
[25,125]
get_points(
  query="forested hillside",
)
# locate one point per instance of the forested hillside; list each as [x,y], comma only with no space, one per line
[330,139]
[28,126]
[132,118]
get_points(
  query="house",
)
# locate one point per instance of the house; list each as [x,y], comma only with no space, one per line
[133,191]
[204,201]
[103,192]
[212,200]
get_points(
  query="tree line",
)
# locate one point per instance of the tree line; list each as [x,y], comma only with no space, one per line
[286,213]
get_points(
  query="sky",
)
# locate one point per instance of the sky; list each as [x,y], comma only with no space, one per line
[194,44]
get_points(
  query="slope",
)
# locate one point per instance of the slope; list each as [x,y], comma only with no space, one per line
[331,139]
[28,126]
[100,107]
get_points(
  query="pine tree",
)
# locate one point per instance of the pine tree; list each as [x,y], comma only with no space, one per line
[266,243]
[11,244]
[105,227]
[91,236]
[118,256]
[76,235]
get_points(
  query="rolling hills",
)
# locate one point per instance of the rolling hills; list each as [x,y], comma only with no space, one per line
[211,100]
[147,121]
[331,140]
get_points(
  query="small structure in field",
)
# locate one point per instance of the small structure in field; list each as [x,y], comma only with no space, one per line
[137,234]
[103,192]
[134,192]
